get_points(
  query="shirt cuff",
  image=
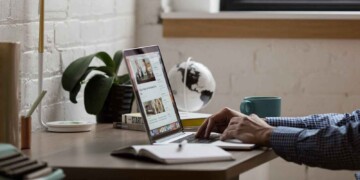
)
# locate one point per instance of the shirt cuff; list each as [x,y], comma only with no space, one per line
[272,121]
[283,141]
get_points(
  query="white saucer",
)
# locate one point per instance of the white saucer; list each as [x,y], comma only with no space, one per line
[69,126]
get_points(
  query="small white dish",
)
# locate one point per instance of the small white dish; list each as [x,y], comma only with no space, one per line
[69,126]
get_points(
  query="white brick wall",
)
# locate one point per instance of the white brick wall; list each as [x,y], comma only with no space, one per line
[312,76]
[73,28]
[5,12]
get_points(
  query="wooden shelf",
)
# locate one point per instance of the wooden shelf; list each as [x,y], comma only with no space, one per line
[262,26]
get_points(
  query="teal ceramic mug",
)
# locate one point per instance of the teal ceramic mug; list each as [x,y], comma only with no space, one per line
[261,106]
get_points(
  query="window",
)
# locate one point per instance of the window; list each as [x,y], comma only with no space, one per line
[290,5]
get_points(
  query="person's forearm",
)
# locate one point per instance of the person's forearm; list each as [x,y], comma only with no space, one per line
[332,147]
[316,121]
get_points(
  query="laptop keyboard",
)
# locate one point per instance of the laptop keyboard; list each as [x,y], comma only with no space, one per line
[192,139]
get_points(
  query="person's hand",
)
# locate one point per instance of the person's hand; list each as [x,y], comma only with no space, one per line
[217,122]
[248,129]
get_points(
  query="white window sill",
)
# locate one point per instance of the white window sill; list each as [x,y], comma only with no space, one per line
[265,24]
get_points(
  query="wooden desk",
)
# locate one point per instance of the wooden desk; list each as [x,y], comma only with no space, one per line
[87,156]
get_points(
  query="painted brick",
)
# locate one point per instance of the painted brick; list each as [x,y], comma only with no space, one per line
[56,9]
[5,9]
[53,112]
[30,92]
[102,7]
[127,27]
[29,65]
[11,32]
[91,32]
[79,8]
[108,48]
[69,55]
[121,27]
[90,49]
[77,112]
[25,10]
[108,29]
[67,33]
[29,36]
[55,92]
[51,64]
[125,6]
[56,6]
[120,45]
[52,85]
[35,121]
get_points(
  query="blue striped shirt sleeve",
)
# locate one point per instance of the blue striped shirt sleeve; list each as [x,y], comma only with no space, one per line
[332,143]
[316,121]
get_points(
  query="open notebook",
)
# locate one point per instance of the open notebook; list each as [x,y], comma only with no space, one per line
[175,154]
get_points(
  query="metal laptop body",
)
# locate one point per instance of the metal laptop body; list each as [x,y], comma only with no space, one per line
[155,99]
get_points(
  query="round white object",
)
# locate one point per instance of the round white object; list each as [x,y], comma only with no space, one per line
[69,126]
[197,91]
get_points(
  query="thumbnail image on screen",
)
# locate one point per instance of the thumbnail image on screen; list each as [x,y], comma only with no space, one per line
[154,106]
[166,128]
[144,71]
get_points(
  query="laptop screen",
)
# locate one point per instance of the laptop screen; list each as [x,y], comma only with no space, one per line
[153,92]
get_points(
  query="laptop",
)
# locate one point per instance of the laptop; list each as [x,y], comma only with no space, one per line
[156,101]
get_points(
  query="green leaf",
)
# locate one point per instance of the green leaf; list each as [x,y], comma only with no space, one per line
[106,59]
[117,59]
[74,92]
[108,71]
[96,92]
[123,79]
[74,73]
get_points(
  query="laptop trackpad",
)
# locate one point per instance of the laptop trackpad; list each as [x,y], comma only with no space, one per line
[233,144]
[236,141]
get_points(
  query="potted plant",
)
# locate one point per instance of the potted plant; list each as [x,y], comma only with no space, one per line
[106,94]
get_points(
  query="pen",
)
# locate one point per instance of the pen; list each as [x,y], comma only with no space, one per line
[182,144]
[36,103]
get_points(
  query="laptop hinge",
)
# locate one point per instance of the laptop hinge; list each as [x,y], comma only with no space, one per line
[164,139]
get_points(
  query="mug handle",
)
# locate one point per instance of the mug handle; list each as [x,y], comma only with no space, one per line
[246,107]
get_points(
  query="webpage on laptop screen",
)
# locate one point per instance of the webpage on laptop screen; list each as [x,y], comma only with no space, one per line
[154,92]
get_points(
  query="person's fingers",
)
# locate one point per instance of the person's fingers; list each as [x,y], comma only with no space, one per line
[228,134]
[201,131]
[216,118]
[209,127]
[232,127]
[235,120]
[220,120]
[254,116]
